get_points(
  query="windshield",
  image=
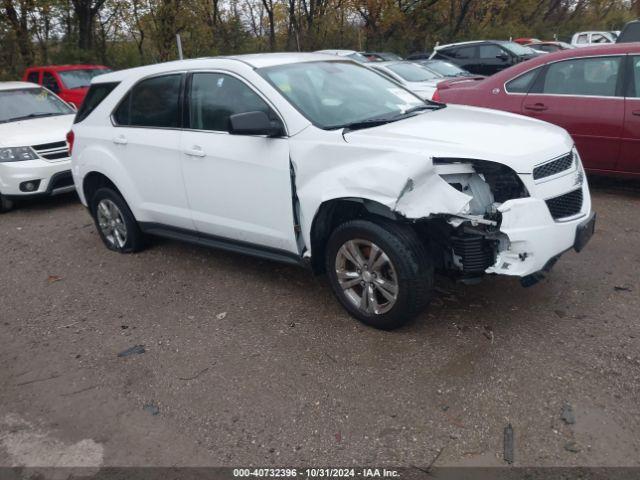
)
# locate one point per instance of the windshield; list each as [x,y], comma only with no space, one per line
[30,103]
[80,78]
[445,68]
[518,49]
[412,72]
[336,94]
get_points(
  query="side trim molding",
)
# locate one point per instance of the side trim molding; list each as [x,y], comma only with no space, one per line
[213,241]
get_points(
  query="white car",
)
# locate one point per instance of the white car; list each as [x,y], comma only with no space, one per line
[319,161]
[588,39]
[34,155]
[350,54]
[420,80]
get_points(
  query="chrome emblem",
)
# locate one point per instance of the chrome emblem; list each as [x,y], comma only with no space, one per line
[495,91]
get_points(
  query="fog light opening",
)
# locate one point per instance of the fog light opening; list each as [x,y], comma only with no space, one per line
[30,186]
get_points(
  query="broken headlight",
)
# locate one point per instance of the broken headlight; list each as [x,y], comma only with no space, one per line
[17,154]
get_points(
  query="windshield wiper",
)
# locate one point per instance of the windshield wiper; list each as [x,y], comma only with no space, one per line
[32,115]
[372,122]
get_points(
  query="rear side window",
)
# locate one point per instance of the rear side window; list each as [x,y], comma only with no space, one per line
[96,94]
[596,76]
[583,38]
[50,82]
[462,52]
[523,83]
[154,102]
[33,77]
[635,78]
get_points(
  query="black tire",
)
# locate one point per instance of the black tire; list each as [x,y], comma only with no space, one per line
[411,267]
[5,204]
[134,239]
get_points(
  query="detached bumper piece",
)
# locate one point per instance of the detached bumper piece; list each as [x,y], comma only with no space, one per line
[475,252]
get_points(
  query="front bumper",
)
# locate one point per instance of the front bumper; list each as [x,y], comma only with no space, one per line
[53,178]
[534,240]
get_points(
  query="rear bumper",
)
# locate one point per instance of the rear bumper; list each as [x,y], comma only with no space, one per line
[52,178]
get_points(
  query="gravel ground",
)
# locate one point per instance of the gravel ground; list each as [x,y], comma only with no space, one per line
[253,363]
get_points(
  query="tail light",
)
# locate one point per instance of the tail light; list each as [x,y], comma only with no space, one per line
[436,96]
[70,138]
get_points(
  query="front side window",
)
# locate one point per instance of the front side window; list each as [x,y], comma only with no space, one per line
[80,78]
[335,94]
[582,39]
[215,97]
[490,51]
[26,103]
[154,102]
[522,84]
[584,76]
[599,38]
[50,82]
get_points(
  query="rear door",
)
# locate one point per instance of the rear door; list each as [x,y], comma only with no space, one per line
[630,154]
[584,96]
[146,140]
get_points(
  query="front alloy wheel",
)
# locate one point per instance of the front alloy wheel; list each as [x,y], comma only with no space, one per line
[379,270]
[367,276]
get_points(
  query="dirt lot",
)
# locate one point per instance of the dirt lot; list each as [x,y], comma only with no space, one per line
[253,363]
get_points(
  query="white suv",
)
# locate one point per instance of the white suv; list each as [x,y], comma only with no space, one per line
[34,155]
[319,161]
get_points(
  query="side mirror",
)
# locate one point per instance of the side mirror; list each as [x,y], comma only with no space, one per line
[254,123]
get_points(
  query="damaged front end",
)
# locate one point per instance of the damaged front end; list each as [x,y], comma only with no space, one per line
[467,244]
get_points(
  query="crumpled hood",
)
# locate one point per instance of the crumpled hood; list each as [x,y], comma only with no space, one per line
[475,133]
[35,131]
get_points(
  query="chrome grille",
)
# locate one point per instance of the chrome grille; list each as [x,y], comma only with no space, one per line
[554,166]
[566,205]
[52,151]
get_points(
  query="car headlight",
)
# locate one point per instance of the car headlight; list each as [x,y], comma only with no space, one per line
[17,154]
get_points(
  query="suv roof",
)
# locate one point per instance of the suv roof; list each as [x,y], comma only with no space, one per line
[254,60]
[630,32]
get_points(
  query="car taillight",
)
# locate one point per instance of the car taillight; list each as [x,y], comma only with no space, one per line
[70,138]
[436,96]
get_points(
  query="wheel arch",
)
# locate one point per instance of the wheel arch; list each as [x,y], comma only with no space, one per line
[334,212]
[92,182]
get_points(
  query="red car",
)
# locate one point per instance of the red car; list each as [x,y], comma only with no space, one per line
[69,82]
[592,92]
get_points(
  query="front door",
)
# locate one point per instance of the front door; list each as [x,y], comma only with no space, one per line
[630,155]
[238,186]
[584,96]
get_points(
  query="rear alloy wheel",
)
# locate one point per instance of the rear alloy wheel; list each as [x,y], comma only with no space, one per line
[380,271]
[116,224]
[5,204]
